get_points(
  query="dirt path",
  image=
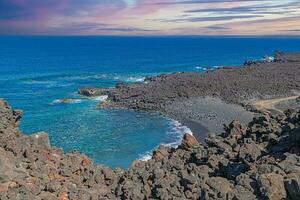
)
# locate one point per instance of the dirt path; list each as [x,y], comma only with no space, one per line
[271,103]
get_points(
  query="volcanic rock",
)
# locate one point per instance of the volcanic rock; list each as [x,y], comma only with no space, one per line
[241,163]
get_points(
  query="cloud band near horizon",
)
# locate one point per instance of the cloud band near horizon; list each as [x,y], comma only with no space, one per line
[149,17]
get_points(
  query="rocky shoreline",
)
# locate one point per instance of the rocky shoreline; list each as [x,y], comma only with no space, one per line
[260,160]
[179,95]
[237,85]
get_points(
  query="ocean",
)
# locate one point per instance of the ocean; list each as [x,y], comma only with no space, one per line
[37,72]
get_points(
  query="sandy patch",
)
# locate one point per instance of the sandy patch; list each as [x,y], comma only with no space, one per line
[270,104]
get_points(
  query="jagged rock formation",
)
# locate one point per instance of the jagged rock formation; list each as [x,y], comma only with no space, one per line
[255,161]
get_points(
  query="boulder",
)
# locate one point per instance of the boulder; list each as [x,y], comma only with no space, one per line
[290,164]
[40,139]
[233,170]
[292,185]
[249,151]
[47,196]
[92,92]
[161,152]
[219,187]
[66,101]
[188,141]
[241,193]
[248,183]
[236,130]
[3,104]
[272,186]
[8,169]
[295,136]
[121,86]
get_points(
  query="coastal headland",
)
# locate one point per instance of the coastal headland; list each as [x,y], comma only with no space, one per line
[206,101]
[258,159]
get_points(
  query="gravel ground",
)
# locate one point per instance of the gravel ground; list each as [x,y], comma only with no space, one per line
[292,104]
[203,115]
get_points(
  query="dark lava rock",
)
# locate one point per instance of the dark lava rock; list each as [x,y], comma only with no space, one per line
[188,141]
[241,163]
[92,92]
[233,85]
[272,186]
[292,185]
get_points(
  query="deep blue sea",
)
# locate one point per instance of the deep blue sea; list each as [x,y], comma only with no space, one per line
[35,72]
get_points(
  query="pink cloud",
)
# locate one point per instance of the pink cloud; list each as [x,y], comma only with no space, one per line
[138,17]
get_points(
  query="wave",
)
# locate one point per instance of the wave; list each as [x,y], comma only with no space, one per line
[50,78]
[64,80]
[57,85]
[113,76]
[100,98]
[217,66]
[75,101]
[47,84]
[130,79]
[84,77]
[36,82]
[201,68]
[136,79]
[208,68]
[176,132]
[146,156]
[65,101]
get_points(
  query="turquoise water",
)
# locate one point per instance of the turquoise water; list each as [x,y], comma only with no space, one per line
[35,72]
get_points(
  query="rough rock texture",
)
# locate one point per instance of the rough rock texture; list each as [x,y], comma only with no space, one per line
[295,104]
[234,85]
[90,92]
[260,160]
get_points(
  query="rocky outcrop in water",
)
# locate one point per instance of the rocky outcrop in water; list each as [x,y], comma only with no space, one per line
[92,92]
[260,160]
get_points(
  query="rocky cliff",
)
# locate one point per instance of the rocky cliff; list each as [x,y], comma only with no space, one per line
[255,161]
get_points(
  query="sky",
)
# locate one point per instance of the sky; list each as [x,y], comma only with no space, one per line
[149,17]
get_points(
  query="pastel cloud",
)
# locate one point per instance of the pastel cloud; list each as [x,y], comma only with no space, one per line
[149,17]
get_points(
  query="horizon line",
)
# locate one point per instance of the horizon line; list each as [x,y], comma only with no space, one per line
[58,35]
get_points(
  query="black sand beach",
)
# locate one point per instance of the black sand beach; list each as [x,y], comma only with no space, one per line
[206,115]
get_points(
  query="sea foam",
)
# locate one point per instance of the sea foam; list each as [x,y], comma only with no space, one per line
[201,68]
[101,98]
[135,79]
[176,132]
[130,79]
[65,101]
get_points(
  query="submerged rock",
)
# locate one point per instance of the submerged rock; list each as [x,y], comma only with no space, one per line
[93,92]
[66,101]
